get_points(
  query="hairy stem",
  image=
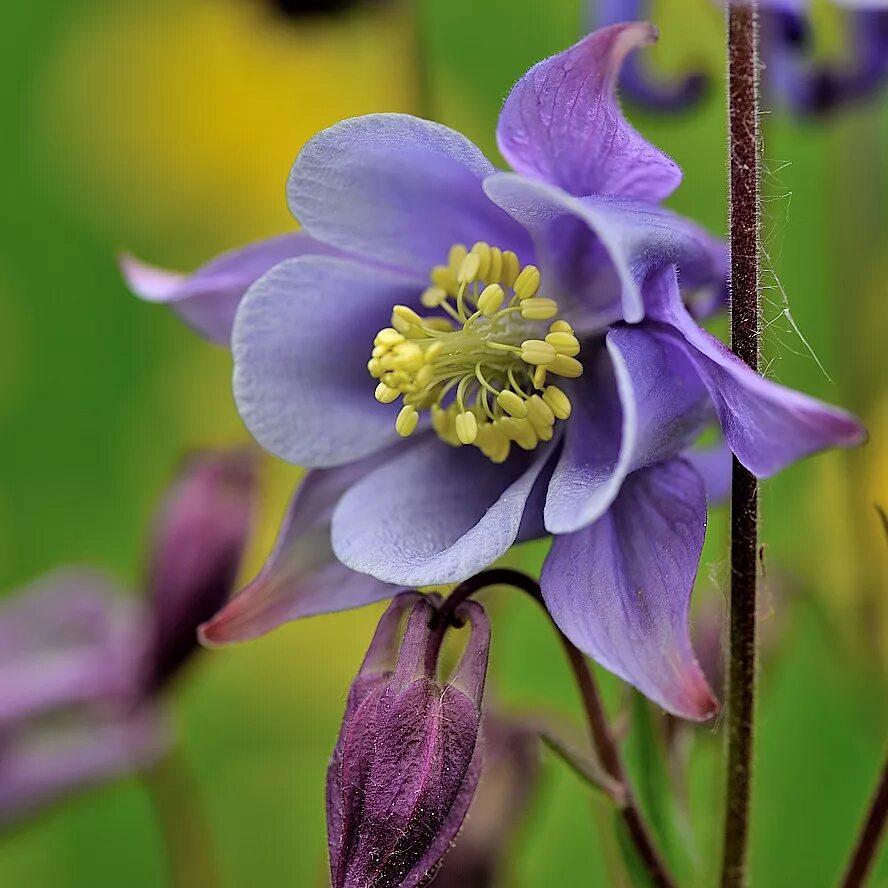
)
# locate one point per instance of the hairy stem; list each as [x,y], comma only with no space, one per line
[870,836]
[743,88]
[602,738]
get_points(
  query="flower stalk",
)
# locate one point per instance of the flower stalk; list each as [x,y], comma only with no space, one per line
[870,836]
[743,98]
[599,729]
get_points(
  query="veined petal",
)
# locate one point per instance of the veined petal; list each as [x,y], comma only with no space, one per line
[767,426]
[302,576]
[597,253]
[301,342]
[398,190]
[648,408]
[207,299]
[713,465]
[620,588]
[562,123]
[435,514]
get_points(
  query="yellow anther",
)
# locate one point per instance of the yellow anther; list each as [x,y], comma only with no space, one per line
[512,404]
[564,343]
[495,272]
[536,351]
[442,325]
[482,251]
[468,270]
[558,402]
[481,354]
[423,377]
[388,337]
[565,366]
[406,314]
[491,299]
[408,357]
[540,414]
[433,297]
[455,257]
[444,277]
[538,309]
[560,327]
[407,421]
[435,348]
[384,394]
[527,282]
[466,427]
[511,268]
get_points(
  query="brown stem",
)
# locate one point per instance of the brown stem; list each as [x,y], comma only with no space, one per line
[743,98]
[870,836]
[599,729]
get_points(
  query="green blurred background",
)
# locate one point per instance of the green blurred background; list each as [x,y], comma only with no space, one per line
[167,128]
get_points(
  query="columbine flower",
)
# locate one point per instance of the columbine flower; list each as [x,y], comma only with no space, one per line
[792,74]
[407,759]
[530,350]
[82,666]
[69,664]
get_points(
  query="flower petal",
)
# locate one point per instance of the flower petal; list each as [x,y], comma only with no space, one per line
[67,639]
[302,576]
[620,588]
[301,342]
[713,465]
[207,300]
[650,407]
[398,190]
[600,251]
[767,426]
[435,514]
[562,123]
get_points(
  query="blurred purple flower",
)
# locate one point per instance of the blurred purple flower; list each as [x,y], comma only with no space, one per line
[82,665]
[604,461]
[792,74]
[407,760]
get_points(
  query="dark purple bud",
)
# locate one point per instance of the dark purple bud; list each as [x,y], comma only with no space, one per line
[407,760]
[508,783]
[200,535]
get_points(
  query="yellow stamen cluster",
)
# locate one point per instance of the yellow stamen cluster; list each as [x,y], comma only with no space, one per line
[480,365]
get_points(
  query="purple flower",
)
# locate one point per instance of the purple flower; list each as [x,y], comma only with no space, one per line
[70,663]
[546,379]
[792,73]
[82,665]
[407,759]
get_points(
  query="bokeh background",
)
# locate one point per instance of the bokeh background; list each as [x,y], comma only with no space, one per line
[167,128]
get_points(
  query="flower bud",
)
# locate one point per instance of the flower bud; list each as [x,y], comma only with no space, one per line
[200,536]
[407,760]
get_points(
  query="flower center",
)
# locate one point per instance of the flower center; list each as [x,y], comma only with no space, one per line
[480,364]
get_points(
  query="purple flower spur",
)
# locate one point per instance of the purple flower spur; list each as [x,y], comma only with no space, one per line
[407,761]
[793,73]
[468,358]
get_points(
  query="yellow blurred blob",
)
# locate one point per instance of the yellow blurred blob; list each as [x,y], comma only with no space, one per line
[184,116]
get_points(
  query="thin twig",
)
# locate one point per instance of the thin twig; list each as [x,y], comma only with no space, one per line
[602,737]
[743,88]
[870,836]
